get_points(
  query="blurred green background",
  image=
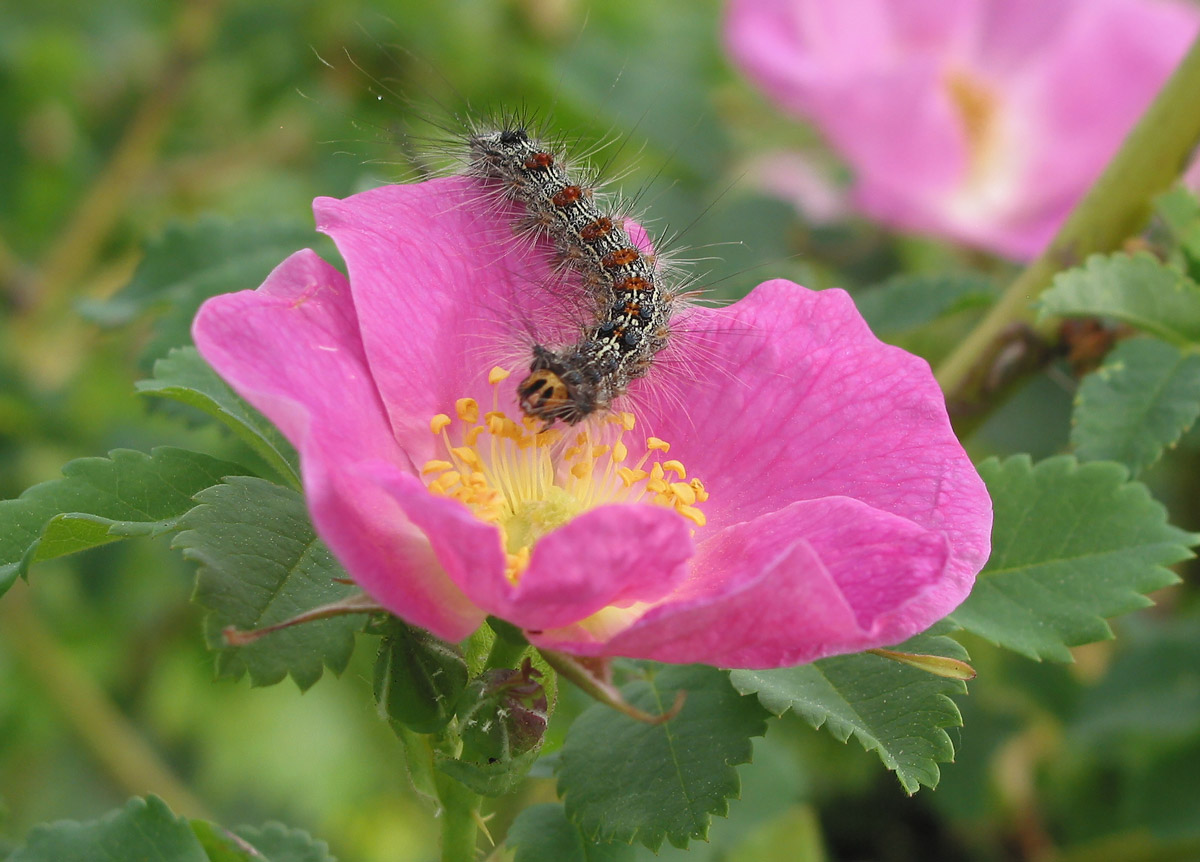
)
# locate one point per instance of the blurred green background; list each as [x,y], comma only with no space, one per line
[119,120]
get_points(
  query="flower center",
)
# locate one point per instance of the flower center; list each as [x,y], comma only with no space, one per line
[529,482]
[978,109]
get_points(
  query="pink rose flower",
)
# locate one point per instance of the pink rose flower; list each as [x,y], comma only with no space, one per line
[980,120]
[798,493]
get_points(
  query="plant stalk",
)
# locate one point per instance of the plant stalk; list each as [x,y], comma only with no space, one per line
[107,734]
[460,819]
[1117,206]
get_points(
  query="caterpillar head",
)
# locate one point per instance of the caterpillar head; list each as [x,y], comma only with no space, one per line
[550,392]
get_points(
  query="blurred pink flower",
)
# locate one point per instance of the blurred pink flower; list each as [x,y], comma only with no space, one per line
[834,510]
[980,120]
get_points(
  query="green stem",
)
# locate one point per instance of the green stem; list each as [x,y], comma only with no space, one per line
[99,210]
[44,326]
[106,733]
[504,653]
[460,813]
[1150,160]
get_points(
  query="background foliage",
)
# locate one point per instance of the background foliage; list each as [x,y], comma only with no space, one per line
[153,154]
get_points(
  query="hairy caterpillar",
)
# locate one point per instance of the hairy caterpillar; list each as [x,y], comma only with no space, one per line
[631,308]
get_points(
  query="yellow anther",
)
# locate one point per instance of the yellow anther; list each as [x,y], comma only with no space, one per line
[467,409]
[445,482]
[685,492]
[630,476]
[517,564]
[527,479]
[467,455]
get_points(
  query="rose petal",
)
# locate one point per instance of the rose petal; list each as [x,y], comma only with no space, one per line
[791,586]
[833,412]
[612,555]
[442,293]
[1056,87]
[615,554]
[292,349]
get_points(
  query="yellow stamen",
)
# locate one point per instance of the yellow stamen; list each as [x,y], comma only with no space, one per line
[467,409]
[466,454]
[444,482]
[529,481]
[684,492]
[631,476]
[497,374]
[625,419]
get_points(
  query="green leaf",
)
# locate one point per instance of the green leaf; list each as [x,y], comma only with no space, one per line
[1072,545]
[279,843]
[543,832]
[143,829]
[1180,211]
[893,709]
[418,678]
[1141,400]
[102,500]
[1135,289]
[184,376]
[624,780]
[488,779]
[191,262]
[273,842]
[260,564]
[909,301]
